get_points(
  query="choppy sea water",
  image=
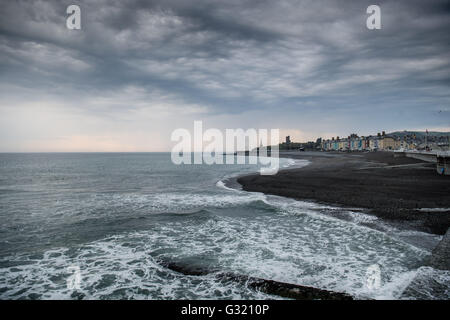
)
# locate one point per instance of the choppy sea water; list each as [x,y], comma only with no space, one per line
[117,217]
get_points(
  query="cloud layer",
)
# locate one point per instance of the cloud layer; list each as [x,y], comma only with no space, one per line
[139,69]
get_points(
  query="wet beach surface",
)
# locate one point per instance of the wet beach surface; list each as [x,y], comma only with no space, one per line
[403,191]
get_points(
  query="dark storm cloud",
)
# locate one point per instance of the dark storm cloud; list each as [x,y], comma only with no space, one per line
[306,58]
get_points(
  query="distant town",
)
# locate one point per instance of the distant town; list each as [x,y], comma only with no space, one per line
[399,140]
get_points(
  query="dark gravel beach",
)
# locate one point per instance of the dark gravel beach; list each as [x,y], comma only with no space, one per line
[399,190]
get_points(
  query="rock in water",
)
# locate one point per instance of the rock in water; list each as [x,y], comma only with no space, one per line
[282,289]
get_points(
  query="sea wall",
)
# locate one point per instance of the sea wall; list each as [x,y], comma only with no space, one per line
[422,156]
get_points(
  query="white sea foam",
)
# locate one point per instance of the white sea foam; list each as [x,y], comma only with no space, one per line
[114,268]
[308,249]
[221,184]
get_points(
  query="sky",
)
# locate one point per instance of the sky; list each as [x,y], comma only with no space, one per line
[138,70]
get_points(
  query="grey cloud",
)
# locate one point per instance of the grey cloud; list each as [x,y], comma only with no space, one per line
[313,58]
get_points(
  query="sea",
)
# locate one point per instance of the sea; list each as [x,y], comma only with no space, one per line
[105,225]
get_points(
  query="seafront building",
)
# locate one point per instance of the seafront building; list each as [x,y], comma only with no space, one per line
[399,140]
[419,145]
[381,141]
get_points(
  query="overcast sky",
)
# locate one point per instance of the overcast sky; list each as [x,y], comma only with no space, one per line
[137,70]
